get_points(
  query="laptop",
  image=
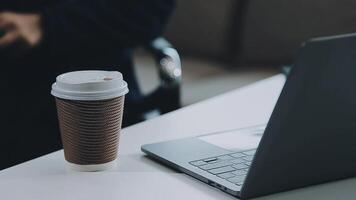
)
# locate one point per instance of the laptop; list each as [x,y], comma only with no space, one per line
[309,139]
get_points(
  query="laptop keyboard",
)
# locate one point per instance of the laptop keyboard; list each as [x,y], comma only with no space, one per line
[231,167]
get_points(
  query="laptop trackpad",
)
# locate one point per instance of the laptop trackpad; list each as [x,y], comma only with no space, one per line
[236,140]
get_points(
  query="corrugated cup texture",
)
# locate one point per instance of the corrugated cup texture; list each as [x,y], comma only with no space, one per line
[90,129]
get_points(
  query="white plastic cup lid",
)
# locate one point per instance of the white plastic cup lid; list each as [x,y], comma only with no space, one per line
[89,85]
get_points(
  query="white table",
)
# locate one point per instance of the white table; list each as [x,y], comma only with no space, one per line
[137,177]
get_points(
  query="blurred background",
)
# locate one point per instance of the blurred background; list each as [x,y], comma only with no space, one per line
[227,44]
[183,51]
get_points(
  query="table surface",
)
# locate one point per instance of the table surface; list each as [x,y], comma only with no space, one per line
[138,177]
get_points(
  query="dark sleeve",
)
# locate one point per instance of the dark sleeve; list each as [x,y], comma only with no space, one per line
[90,26]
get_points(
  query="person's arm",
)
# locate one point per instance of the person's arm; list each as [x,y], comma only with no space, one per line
[91,26]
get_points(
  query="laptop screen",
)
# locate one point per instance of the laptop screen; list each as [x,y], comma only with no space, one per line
[312,131]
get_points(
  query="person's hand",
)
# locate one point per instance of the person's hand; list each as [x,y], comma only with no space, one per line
[20,30]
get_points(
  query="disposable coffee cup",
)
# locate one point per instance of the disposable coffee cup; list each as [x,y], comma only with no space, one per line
[90,110]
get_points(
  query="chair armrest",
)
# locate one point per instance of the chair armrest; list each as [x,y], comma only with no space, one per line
[168,62]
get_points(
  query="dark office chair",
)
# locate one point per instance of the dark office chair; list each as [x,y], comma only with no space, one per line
[166,97]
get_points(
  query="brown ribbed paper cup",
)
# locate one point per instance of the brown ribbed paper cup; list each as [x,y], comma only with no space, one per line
[90,109]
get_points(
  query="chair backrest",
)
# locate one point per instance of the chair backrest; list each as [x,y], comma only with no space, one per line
[256,31]
[273,30]
[201,27]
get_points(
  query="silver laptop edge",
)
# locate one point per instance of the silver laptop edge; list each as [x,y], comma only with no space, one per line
[309,135]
